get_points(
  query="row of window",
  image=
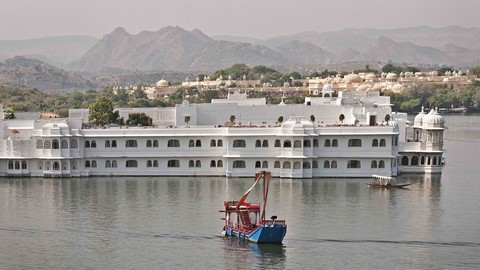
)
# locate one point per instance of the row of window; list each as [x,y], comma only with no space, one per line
[63,144]
[16,165]
[424,160]
[56,144]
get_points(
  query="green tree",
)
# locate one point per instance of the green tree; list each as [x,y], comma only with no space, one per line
[139,119]
[8,114]
[101,112]
[441,71]
[474,71]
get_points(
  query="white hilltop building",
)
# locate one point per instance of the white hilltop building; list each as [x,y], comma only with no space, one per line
[344,136]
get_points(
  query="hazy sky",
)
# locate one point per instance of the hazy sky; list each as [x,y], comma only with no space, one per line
[23,19]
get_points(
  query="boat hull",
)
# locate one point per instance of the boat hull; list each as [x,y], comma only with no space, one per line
[268,234]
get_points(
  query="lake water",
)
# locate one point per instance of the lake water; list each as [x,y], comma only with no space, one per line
[174,223]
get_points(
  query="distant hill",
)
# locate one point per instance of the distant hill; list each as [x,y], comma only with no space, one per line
[21,71]
[171,48]
[53,50]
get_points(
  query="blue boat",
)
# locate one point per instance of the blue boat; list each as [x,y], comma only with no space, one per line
[247,220]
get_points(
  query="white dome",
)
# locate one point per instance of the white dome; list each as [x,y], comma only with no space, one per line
[397,88]
[363,87]
[377,87]
[434,118]
[371,77]
[162,83]
[419,118]
[391,76]
[353,78]
[327,88]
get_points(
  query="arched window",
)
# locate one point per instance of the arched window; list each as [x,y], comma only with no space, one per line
[131,163]
[55,144]
[327,143]
[107,144]
[297,144]
[93,144]
[414,160]
[307,143]
[287,143]
[149,143]
[220,163]
[314,164]
[396,141]
[354,143]
[334,164]
[173,163]
[87,144]
[17,165]
[404,160]
[191,143]
[131,143]
[422,160]
[149,163]
[434,162]
[381,164]
[191,164]
[375,143]
[114,164]
[155,143]
[213,163]
[306,165]
[198,143]
[287,165]
[258,164]
[297,165]
[10,165]
[173,143]
[239,143]
[265,143]
[87,163]
[155,163]
[213,143]
[374,164]
[326,164]
[334,143]
[108,164]
[277,143]
[265,164]
[94,164]
[114,143]
[198,164]
[315,143]
[239,164]
[220,143]
[56,166]
[276,164]
[383,143]
[353,164]
[24,165]
[258,143]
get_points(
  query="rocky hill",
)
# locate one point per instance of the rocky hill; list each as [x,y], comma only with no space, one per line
[21,71]
[171,48]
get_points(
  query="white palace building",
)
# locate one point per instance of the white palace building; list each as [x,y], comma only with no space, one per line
[344,136]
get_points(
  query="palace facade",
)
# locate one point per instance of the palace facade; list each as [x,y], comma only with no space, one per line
[352,135]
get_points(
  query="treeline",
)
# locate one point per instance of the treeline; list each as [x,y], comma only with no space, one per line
[22,99]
